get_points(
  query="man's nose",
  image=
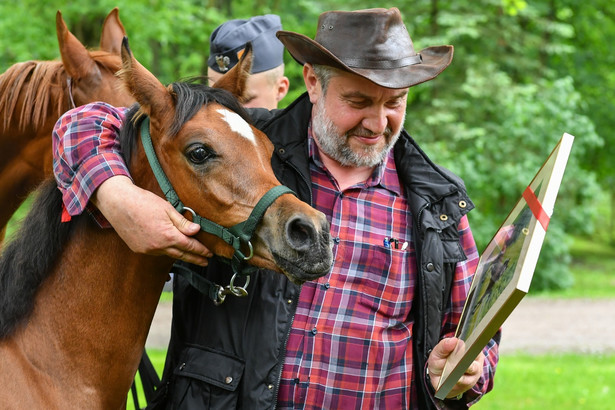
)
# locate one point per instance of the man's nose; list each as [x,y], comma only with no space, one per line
[376,120]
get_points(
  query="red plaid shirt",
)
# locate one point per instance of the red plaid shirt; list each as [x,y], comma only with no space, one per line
[350,343]
[350,346]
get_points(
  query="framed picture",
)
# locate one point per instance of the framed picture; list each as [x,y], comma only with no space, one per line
[506,267]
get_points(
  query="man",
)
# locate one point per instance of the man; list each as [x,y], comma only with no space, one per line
[376,331]
[267,85]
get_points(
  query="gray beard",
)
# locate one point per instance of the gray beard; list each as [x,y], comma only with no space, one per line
[336,146]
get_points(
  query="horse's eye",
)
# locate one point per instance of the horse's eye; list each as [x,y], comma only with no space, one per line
[198,154]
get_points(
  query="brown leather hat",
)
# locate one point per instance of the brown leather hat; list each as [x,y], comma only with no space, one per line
[372,43]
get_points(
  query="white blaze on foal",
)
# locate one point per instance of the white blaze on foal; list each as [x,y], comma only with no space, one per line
[238,124]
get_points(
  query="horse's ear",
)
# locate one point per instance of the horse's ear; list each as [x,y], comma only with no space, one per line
[153,97]
[112,33]
[75,57]
[235,80]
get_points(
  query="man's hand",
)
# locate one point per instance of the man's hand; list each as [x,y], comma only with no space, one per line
[437,360]
[147,223]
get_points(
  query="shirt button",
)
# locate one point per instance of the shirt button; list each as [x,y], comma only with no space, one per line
[326,285]
[430,267]
[336,239]
[314,331]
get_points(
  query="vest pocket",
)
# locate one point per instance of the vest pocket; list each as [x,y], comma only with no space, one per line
[206,379]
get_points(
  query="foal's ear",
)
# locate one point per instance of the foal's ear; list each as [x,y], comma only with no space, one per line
[235,80]
[75,57]
[112,33]
[154,98]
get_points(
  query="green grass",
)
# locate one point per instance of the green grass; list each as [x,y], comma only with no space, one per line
[558,382]
[593,269]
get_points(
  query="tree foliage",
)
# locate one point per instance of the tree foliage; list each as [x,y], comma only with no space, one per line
[523,73]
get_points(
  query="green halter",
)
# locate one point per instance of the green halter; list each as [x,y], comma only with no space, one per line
[236,235]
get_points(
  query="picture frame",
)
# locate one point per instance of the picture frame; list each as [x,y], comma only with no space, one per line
[506,267]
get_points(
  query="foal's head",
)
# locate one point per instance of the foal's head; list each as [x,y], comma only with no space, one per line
[220,166]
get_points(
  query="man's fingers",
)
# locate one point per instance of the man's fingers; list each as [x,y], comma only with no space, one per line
[182,224]
[444,348]
[189,246]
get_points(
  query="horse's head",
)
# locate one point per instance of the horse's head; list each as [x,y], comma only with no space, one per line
[92,73]
[220,166]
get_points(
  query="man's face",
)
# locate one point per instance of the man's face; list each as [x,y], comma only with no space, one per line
[262,90]
[356,122]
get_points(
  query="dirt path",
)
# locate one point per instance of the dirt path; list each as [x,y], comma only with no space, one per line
[536,326]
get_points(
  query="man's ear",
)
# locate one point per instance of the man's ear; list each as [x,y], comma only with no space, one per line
[312,84]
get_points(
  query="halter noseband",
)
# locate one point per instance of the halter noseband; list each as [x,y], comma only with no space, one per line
[236,235]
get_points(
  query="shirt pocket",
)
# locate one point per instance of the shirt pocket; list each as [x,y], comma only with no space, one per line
[382,278]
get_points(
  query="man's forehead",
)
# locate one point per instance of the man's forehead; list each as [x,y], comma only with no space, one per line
[350,84]
[366,90]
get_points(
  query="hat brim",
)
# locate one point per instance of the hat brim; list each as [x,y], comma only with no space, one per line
[434,60]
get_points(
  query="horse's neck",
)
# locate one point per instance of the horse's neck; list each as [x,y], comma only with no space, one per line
[93,314]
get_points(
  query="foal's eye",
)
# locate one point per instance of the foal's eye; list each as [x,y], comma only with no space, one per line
[199,153]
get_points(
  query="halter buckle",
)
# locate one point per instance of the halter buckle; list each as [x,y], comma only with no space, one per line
[231,289]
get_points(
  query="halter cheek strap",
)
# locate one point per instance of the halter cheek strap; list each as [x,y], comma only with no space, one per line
[69,84]
[238,236]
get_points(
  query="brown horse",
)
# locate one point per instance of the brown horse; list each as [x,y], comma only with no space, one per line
[34,94]
[76,303]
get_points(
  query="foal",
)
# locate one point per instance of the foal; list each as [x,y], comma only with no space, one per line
[76,303]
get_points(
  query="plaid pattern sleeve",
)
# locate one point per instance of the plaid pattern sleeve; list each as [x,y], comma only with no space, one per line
[86,152]
[463,279]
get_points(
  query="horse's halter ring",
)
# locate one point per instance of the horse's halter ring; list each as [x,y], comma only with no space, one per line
[235,235]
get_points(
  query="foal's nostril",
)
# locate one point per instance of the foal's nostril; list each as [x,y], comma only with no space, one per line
[300,233]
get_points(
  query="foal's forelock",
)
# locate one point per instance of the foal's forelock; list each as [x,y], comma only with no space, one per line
[191,96]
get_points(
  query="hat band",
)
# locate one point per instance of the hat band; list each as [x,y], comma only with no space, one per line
[383,64]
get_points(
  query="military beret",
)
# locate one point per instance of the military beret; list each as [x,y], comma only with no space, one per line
[228,41]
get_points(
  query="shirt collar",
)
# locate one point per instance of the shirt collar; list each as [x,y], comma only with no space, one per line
[384,175]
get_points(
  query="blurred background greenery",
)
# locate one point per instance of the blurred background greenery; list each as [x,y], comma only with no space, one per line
[523,74]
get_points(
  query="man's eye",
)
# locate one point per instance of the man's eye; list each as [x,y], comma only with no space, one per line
[396,102]
[358,103]
[199,154]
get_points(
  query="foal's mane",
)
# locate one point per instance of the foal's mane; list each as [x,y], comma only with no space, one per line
[27,260]
[189,96]
[38,84]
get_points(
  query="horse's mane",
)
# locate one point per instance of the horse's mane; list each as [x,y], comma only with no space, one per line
[29,88]
[189,95]
[27,259]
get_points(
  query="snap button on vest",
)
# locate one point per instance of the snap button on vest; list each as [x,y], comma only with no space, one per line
[443,217]
[430,267]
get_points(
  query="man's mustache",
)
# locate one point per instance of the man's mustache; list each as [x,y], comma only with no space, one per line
[361,131]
